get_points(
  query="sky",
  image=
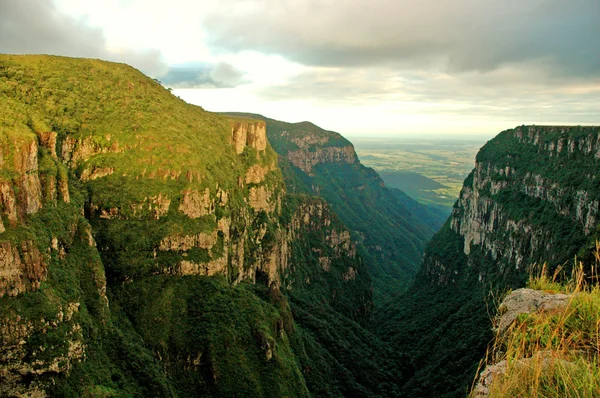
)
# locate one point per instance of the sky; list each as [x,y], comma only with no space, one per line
[362,68]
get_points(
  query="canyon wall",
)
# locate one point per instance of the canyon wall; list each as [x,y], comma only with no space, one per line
[531,199]
[148,247]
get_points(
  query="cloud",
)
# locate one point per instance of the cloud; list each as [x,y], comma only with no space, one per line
[534,60]
[506,93]
[38,27]
[452,36]
[228,75]
[204,75]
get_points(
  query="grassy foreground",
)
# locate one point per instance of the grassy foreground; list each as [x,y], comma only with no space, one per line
[553,353]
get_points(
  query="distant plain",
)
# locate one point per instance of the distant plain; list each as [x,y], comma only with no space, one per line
[431,170]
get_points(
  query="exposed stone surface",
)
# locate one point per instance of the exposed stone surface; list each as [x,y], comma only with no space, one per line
[157,206]
[524,301]
[48,141]
[74,151]
[63,190]
[350,274]
[306,159]
[544,361]
[20,271]
[256,174]
[213,267]
[248,133]
[8,202]
[26,192]
[186,242]
[308,139]
[260,199]
[19,371]
[341,243]
[109,214]
[94,173]
[30,189]
[196,204]
[325,263]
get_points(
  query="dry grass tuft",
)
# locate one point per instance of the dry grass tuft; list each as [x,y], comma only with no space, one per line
[553,353]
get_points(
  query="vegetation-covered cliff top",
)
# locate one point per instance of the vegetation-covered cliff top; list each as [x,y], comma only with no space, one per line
[136,125]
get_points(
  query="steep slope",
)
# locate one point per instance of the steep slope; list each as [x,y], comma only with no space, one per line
[533,197]
[149,249]
[391,228]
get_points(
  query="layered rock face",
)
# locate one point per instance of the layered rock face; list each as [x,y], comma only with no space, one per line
[248,133]
[314,146]
[169,208]
[42,233]
[306,158]
[533,190]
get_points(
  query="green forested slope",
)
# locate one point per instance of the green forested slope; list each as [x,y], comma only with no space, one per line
[148,249]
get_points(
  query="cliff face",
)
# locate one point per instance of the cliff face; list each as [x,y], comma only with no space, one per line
[313,149]
[531,199]
[44,238]
[109,183]
[533,191]
[390,236]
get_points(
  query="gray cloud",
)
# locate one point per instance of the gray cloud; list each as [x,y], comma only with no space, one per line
[533,60]
[507,94]
[37,27]
[204,75]
[454,36]
[228,75]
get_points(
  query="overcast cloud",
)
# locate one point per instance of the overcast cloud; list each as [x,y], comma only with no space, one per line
[419,65]
[443,35]
[38,27]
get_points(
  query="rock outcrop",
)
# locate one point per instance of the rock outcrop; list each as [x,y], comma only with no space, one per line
[522,301]
[306,158]
[248,133]
[525,301]
[196,204]
[20,270]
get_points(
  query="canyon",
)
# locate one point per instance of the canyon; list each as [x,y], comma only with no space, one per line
[151,248]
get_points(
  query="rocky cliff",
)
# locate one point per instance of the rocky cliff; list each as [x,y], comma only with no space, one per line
[532,198]
[391,229]
[312,149]
[149,248]
[532,191]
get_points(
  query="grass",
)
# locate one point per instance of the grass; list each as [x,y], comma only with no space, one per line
[552,353]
